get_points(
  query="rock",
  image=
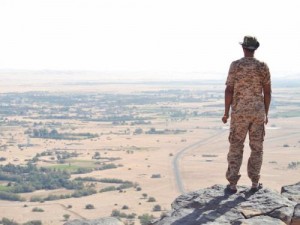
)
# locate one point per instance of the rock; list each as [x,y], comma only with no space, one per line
[101,221]
[292,192]
[258,221]
[296,217]
[212,206]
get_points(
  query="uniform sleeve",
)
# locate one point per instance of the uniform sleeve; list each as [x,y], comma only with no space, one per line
[231,75]
[266,75]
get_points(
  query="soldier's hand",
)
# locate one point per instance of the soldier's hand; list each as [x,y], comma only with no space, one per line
[224,118]
[266,120]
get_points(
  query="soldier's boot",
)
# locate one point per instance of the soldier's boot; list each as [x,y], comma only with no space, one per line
[255,187]
[231,188]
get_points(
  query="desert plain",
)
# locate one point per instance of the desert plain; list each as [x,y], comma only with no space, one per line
[162,138]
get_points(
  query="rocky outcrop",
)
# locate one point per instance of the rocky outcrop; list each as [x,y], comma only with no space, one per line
[101,221]
[215,206]
[292,192]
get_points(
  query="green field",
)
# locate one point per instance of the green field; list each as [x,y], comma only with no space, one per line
[74,165]
[4,188]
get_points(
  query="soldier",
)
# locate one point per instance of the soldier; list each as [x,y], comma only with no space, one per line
[248,94]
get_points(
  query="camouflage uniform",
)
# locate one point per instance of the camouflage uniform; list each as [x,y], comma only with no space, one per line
[247,76]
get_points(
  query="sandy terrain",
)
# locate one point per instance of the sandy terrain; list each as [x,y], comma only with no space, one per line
[200,166]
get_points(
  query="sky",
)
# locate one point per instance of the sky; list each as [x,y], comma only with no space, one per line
[168,36]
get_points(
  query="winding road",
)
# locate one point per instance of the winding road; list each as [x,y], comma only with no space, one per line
[179,155]
[202,142]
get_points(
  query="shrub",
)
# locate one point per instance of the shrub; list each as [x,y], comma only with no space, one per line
[115,213]
[36,209]
[209,155]
[118,214]
[145,195]
[10,196]
[157,208]
[109,188]
[294,165]
[151,199]
[146,219]
[89,206]
[125,185]
[138,189]
[83,192]
[66,216]
[83,170]
[6,221]
[111,180]
[131,216]
[107,167]
[125,207]
[96,155]
[33,222]
[52,197]
[36,199]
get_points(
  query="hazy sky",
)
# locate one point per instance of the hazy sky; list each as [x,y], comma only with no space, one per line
[147,35]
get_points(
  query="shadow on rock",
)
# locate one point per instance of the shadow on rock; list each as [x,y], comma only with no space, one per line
[215,205]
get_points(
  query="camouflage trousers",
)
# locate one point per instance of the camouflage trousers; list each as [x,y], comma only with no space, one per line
[240,125]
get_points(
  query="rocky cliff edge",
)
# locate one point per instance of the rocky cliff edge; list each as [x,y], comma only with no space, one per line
[215,206]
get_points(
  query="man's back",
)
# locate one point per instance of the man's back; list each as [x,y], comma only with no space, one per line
[248,76]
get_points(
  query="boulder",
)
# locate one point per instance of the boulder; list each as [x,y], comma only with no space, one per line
[214,205]
[292,192]
[296,217]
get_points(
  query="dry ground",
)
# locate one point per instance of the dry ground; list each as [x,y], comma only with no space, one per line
[152,154]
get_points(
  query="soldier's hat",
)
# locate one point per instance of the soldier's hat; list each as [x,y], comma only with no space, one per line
[250,42]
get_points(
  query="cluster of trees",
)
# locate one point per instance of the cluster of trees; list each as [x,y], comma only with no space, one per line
[146,219]
[6,221]
[102,180]
[96,155]
[76,194]
[10,196]
[121,119]
[61,156]
[294,165]
[44,133]
[22,179]
[54,134]
[122,184]
[29,178]
[119,214]
[165,131]
[88,191]
[140,122]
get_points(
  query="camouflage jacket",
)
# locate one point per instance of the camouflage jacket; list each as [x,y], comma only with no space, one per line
[248,76]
